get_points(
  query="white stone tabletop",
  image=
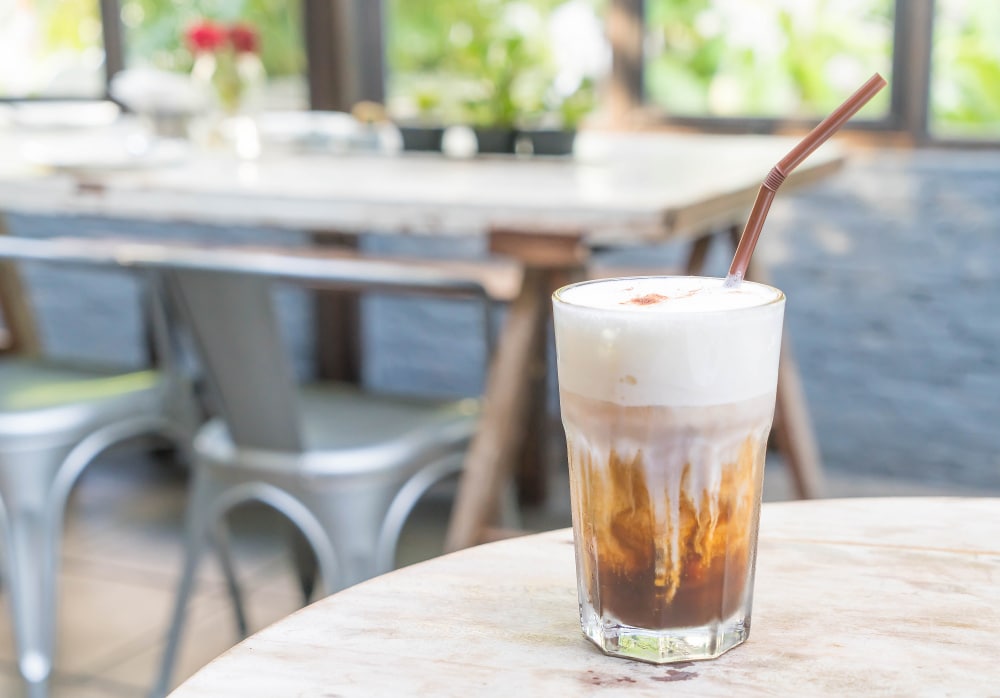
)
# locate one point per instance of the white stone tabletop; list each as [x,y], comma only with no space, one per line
[618,187]
[894,597]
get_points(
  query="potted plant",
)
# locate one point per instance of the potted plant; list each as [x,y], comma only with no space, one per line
[426,131]
[559,138]
[494,111]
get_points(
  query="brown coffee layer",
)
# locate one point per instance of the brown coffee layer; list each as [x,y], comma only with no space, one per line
[663,545]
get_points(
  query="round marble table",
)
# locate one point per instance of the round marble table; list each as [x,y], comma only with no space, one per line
[865,596]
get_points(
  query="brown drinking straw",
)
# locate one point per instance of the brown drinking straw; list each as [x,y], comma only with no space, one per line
[814,139]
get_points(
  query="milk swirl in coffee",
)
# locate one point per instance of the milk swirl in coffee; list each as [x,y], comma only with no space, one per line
[667,389]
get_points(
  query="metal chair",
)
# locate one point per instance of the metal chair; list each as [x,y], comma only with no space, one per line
[55,419]
[344,466]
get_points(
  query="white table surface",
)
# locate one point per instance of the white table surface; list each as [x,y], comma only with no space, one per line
[619,187]
[893,597]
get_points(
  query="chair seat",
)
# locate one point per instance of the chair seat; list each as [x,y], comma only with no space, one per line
[347,431]
[62,401]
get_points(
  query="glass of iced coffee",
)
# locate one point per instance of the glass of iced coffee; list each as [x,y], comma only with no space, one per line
[667,388]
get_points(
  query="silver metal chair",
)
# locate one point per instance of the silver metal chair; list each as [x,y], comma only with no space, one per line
[55,419]
[344,466]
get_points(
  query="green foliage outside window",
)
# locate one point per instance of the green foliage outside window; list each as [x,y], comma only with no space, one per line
[485,61]
[965,70]
[775,58]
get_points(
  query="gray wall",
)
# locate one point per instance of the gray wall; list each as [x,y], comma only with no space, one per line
[894,311]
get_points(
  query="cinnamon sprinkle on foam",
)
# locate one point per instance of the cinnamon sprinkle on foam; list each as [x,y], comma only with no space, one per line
[648,299]
[652,298]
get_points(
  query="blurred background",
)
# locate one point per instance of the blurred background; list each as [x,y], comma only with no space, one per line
[703,62]
[911,222]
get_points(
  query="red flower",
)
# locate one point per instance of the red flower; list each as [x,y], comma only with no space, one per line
[205,36]
[244,38]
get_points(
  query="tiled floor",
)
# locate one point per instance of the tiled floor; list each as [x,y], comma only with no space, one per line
[122,556]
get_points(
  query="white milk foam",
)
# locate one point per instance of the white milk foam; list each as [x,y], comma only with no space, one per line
[668,341]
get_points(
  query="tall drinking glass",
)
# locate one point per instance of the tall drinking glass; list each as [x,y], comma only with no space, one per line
[667,387]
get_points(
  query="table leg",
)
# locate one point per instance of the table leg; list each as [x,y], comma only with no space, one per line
[533,464]
[514,398]
[507,410]
[697,254]
[532,459]
[793,432]
[20,334]
[337,323]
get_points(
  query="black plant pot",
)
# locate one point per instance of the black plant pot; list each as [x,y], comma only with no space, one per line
[422,138]
[551,142]
[496,140]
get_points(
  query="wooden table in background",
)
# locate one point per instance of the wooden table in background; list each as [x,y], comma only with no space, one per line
[853,597]
[547,214]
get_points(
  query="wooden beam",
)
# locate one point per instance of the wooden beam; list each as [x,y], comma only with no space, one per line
[344,52]
[625,32]
[554,248]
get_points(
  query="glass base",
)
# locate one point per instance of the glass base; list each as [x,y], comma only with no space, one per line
[667,646]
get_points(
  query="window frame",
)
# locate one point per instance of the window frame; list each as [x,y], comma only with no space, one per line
[112,32]
[346,63]
[907,116]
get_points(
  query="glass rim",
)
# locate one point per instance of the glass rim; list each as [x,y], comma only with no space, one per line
[557,295]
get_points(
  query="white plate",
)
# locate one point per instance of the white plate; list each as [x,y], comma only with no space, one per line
[83,153]
[317,129]
[64,114]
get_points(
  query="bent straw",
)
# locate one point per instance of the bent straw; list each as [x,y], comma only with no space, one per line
[814,139]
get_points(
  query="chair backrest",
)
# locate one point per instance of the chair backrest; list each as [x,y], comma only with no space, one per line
[224,298]
[233,322]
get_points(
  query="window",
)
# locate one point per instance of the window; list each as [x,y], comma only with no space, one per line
[491,62]
[764,58]
[728,62]
[51,49]
[965,69]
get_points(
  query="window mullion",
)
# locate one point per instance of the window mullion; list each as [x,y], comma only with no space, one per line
[626,33]
[344,49]
[911,66]
[114,47]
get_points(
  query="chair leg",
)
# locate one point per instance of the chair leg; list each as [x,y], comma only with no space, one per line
[32,544]
[352,521]
[32,523]
[306,516]
[199,511]
[306,565]
[405,500]
[220,542]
